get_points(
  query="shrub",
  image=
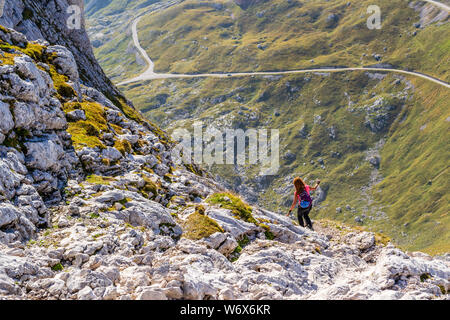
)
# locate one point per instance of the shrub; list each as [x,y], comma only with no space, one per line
[57,267]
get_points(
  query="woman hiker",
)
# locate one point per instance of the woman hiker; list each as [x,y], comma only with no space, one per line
[303,197]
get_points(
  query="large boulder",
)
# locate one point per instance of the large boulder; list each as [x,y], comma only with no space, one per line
[44,155]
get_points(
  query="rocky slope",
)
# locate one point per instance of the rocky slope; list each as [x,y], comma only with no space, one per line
[48,20]
[92,207]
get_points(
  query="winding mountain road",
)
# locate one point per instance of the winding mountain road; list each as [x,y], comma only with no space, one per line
[150,74]
[438,4]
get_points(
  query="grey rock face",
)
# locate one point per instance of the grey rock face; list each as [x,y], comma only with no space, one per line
[65,62]
[45,155]
[51,25]
[8,214]
[7,122]
[76,115]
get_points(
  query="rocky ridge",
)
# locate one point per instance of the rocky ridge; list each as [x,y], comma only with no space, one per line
[92,206]
[48,20]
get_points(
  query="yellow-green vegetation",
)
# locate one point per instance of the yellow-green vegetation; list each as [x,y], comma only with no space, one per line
[238,207]
[17,141]
[87,133]
[193,168]
[380,238]
[240,210]
[101,180]
[94,215]
[97,235]
[63,89]
[116,128]
[7,58]
[124,146]
[36,52]
[317,250]
[198,225]
[442,288]
[127,110]
[269,235]
[58,267]
[3,29]
[149,187]
[124,201]
[241,244]
[414,163]
[425,276]
[135,115]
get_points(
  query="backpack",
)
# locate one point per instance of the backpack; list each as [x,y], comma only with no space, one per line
[304,200]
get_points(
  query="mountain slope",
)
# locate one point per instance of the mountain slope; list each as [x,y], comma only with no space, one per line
[198,37]
[93,207]
[110,32]
[353,130]
[348,139]
[120,222]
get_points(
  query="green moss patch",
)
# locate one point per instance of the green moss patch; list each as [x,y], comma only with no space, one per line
[124,146]
[149,187]
[58,267]
[38,54]
[239,208]
[87,133]
[60,83]
[199,226]
[7,58]
[101,180]
[424,277]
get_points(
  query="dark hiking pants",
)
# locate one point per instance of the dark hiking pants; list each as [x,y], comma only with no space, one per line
[303,214]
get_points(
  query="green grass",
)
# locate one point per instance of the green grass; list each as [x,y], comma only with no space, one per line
[198,226]
[149,187]
[101,180]
[238,207]
[58,267]
[414,162]
[424,277]
[94,215]
[88,133]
